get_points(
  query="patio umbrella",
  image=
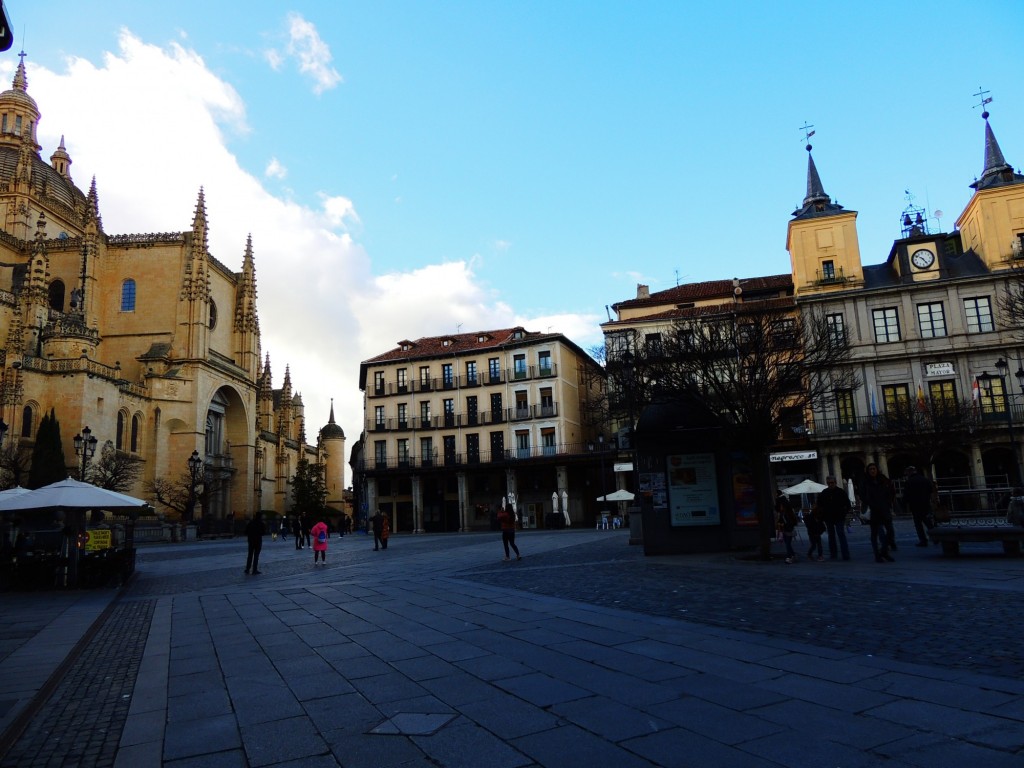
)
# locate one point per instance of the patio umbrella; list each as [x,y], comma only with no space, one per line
[554,501]
[70,494]
[10,493]
[804,486]
[619,495]
[565,508]
[850,492]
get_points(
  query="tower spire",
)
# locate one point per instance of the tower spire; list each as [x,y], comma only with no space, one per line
[997,171]
[816,202]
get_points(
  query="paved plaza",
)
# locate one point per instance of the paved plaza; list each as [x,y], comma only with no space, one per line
[586,653]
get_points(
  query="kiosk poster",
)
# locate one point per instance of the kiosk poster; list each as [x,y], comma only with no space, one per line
[744,492]
[692,489]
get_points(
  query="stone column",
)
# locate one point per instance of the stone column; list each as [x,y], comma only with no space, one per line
[417,504]
[463,499]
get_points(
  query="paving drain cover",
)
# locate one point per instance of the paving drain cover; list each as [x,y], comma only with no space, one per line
[413,724]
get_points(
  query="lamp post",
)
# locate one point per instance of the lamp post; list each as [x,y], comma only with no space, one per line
[600,480]
[1004,369]
[195,465]
[85,446]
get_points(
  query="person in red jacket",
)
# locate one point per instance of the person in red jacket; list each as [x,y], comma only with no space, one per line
[319,535]
[507,519]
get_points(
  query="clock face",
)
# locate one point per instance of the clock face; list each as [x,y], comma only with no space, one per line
[922,259]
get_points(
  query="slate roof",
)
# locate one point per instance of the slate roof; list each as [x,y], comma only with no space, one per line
[682,294]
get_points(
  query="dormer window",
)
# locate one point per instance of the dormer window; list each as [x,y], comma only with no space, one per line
[481,339]
[446,343]
[406,347]
[517,334]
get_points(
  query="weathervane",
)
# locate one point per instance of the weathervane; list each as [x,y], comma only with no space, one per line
[806,128]
[984,100]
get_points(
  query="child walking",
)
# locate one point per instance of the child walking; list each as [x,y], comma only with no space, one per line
[319,535]
[815,527]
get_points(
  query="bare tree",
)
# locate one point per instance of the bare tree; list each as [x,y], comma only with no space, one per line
[757,365]
[15,460]
[175,492]
[926,428]
[115,470]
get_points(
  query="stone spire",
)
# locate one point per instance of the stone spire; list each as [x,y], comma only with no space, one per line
[93,213]
[60,160]
[196,282]
[247,323]
[246,319]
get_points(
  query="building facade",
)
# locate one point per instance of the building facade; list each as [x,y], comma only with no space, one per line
[147,339]
[926,329]
[455,423]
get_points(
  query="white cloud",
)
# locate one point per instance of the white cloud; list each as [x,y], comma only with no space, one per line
[274,59]
[312,53]
[275,170]
[322,310]
[339,210]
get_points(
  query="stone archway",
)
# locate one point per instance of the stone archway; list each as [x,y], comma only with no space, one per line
[1000,467]
[229,455]
[952,469]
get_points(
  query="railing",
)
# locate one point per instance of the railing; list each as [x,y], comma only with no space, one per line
[478,379]
[443,459]
[453,420]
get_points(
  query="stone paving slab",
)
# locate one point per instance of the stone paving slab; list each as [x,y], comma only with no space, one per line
[585,653]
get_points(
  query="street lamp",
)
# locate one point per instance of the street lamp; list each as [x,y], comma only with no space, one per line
[1004,369]
[195,465]
[600,450]
[85,446]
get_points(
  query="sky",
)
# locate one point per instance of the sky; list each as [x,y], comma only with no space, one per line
[412,169]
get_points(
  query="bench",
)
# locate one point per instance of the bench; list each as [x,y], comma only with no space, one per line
[949,535]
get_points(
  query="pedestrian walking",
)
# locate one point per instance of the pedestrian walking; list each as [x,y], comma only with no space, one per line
[815,527]
[307,524]
[786,520]
[254,532]
[377,523]
[877,495]
[385,531]
[319,533]
[507,518]
[918,491]
[297,530]
[833,506]
[286,528]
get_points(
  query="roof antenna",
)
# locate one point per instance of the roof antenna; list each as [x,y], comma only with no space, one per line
[458,328]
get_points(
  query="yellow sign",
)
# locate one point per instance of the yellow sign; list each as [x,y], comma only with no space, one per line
[98,539]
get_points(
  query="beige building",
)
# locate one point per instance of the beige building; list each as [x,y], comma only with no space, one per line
[455,423]
[147,339]
[924,325]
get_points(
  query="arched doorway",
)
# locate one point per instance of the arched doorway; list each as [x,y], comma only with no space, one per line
[952,469]
[228,457]
[1000,466]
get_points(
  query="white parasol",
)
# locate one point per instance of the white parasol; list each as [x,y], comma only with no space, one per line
[565,508]
[619,495]
[70,494]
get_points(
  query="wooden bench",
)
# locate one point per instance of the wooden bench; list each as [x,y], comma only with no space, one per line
[949,535]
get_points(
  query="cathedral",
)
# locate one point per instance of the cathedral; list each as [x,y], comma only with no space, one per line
[147,340]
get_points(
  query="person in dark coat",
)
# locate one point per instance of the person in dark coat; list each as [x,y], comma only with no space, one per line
[254,532]
[786,520]
[377,522]
[917,496]
[834,506]
[507,519]
[877,495]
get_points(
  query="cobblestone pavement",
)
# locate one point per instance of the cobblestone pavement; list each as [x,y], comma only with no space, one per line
[953,614]
[81,724]
[961,627]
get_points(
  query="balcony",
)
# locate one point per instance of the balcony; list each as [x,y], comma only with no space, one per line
[829,277]
[564,452]
[548,410]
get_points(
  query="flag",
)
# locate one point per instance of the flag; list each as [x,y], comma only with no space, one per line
[922,406]
[874,412]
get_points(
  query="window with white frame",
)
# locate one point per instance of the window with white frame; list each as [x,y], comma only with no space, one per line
[378,416]
[979,314]
[887,324]
[835,325]
[931,320]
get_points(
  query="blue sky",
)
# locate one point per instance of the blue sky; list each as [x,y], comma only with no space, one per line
[410,168]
